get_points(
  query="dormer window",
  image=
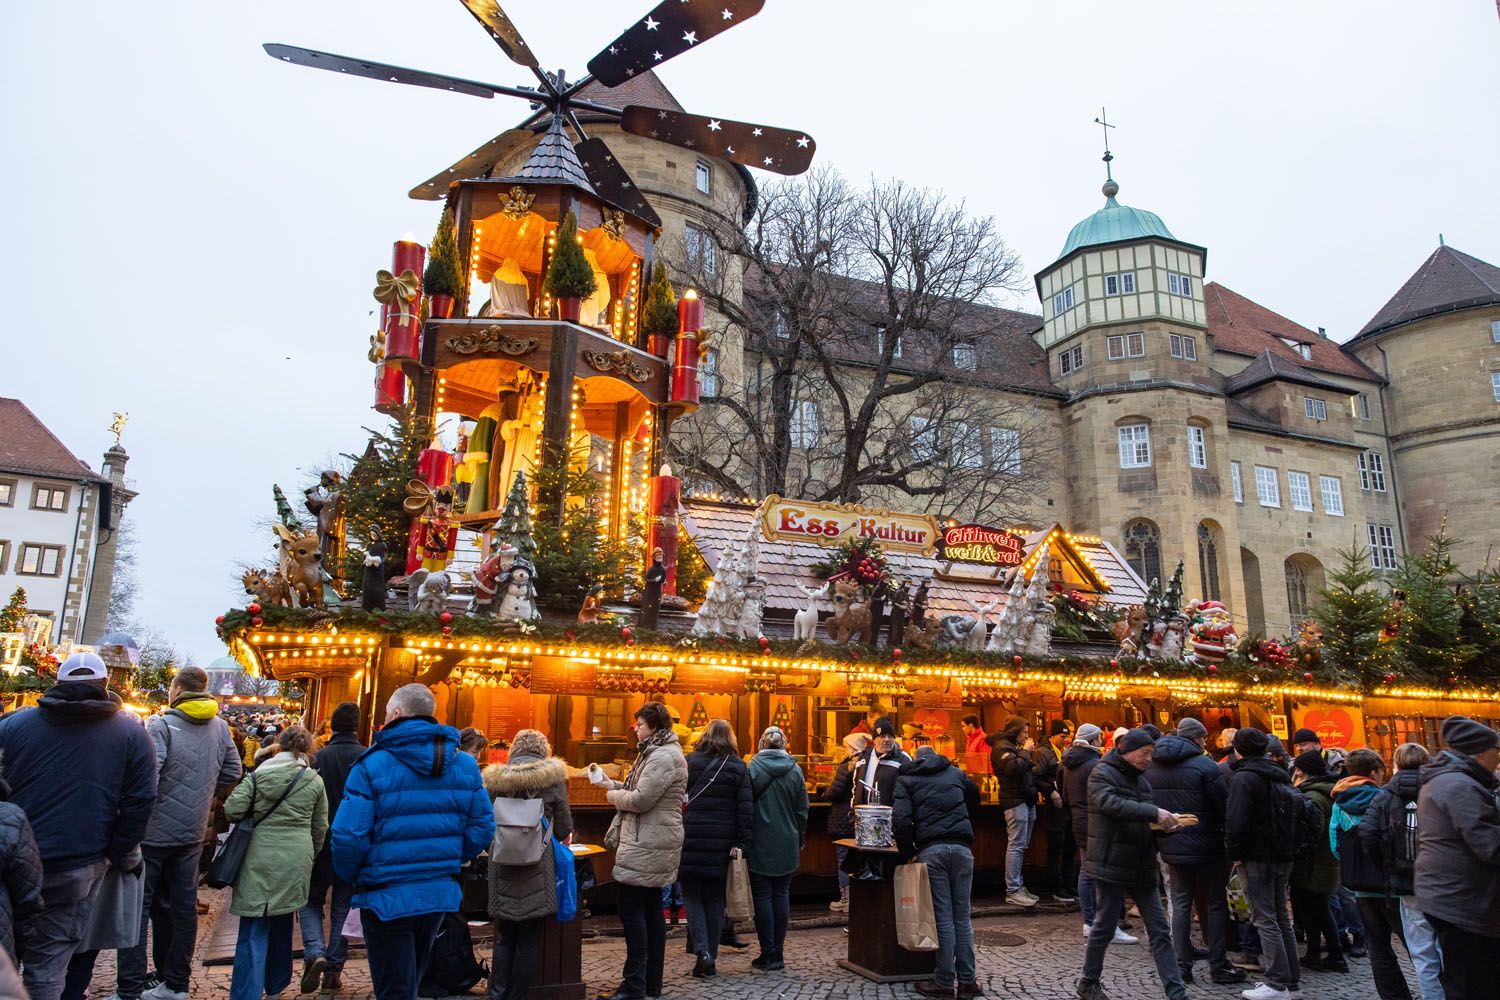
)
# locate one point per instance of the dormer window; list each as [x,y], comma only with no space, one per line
[880,343]
[1062,301]
[1119,284]
[1302,348]
[1315,409]
[964,356]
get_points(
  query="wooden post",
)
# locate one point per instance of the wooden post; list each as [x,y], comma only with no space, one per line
[556,443]
[464,217]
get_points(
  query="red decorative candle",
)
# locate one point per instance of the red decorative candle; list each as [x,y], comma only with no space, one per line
[399,315]
[664,496]
[390,388]
[685,363]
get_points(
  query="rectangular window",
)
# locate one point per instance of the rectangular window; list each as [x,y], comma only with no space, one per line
[1135,446]
[49,497]
[966,445]
[1371,472]
[880,343]
[1332,489]
[783,329]
[1119,284]
[1382,546]
[1197,447]
[7,492]
[1135,344]
[1299,485]
[1495,331]
[40,560]
[1237,482]
[1005,450]
[965,357]
[1111,284]
[1184,347]
[702,175]
[1495,385]
[804,425]
[923,439]
[1062,301]
[1174,285]
[1359,406]
[1127,282]
[708,373]
[1316,409]
[1305,350]
[4,555]
[702,254]
[1116,348]
[1267,489]
[1071,360]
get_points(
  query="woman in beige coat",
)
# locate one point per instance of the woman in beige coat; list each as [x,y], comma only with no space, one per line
[647,837]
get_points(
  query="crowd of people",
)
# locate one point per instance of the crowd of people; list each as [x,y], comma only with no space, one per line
[106,824]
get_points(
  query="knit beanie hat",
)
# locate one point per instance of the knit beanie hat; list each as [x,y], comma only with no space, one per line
[1059,727]
[1192,729]
[1250,742]
[1305,736]
[1089,734]
[1133,740]
[1465,735]
[884,726]
[1311,763]
[1013,726]
[345,718]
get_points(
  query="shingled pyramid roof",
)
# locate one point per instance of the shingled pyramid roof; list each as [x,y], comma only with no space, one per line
[554,159]
[1268,367]
[1447,281]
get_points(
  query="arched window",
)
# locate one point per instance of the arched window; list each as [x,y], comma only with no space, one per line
[1143,549]
[1296,593]
[708,373]
[1208,562]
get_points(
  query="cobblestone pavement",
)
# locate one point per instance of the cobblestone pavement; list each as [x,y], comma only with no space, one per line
[1044,967]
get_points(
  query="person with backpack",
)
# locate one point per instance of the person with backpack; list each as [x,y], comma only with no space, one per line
[523,896]
[1458,856]
[776,839]
[1389,833]
[414,812]
[1053,818]
[332,763]
[1360,870]
[286,800]
[841,812]
[1010,759]
[1261,830]
[718,820]
[647,836]
[932,819]
[1315,873]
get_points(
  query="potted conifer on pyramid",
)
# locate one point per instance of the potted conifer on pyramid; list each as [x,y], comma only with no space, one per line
[441,278]
[570,280]
[659,317]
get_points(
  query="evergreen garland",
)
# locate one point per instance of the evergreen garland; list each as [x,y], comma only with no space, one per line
[442,275]
[659,317]
[569,275]
[1352,613]
[1429,645]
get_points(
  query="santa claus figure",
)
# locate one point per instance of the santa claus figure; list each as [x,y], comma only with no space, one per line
[1213,634]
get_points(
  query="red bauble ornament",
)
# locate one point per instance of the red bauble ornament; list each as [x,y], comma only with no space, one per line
[764,643]
[253,607]
[630,642]
[571,634]
[896,655]
[626,633]
[1213,669]
[219,620]
[257,622]
[1016,660]
[1389,678]
[1114,663]
[1307,676]
[445,617]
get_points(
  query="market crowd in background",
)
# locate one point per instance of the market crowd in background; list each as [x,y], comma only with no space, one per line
[107,824]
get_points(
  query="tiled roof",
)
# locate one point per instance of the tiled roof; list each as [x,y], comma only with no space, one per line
[554,159]
[647,90]
[1240,415]
[1241,326]
[717,528]
[1447,281]
[1270,367]
[26,445]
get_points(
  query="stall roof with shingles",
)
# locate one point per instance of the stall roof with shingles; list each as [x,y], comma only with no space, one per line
[716,528]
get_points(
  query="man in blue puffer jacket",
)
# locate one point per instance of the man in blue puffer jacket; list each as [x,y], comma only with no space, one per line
[414,811]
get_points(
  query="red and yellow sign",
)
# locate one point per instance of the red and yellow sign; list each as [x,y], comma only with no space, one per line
[832,524]
[1338,726]
[975,543]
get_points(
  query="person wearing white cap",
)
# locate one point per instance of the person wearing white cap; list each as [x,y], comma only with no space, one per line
[85,773]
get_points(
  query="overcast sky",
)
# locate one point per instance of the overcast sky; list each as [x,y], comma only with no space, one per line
[190,230]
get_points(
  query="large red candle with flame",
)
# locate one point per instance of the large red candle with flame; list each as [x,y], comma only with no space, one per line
[685,363]
[664,496]
[399,318]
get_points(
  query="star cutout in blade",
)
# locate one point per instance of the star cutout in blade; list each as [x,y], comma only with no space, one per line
[728,14]
[654,134]
[714,126]
[662,115]
[802,142]
[691,37]
[689,144]
[769,161]
[729,150]
[651,25]
[614,50]
[756,131]
[657,55]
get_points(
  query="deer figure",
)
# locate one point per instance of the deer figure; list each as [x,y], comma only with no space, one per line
[805,622]
[301,566]
[851,612]
[268,587]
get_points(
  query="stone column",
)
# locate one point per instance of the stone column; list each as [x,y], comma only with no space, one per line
[102,578]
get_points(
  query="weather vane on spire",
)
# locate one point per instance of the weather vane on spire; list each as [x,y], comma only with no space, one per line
[1103,121]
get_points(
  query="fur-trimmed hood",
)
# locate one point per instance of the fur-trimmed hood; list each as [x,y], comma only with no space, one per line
[524,775]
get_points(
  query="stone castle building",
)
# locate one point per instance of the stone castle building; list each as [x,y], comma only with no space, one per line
[1191,423]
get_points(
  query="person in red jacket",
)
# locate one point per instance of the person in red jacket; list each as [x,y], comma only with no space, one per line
[975,735]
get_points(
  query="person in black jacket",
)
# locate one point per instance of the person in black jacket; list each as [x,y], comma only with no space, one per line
[1010,759]
[841,812]
[874,772]
[932,818]
[1122,860]
[20,871]
[1186,780]
[717,821]
[1388,832]
[1265,851]
[1053,818]
[1079,760]
[332,764]
[85,774]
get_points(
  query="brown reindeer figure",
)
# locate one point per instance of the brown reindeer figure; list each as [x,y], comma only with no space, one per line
[1129,626]
[301,566]
[268,587]
[851,612]
[917,637]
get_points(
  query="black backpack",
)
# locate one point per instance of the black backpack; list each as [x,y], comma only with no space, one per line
[1296,824]
[451,967]
[1359,869]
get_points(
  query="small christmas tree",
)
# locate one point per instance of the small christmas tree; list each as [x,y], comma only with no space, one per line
[571,553]
[1430,645]
[1352,613]
[14,613]
[698,717]
[659,317]
[442,276]
[569,275]
[514,526]
[782,717]
[284,510]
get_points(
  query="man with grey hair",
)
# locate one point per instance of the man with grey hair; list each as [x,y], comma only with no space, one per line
[414,810]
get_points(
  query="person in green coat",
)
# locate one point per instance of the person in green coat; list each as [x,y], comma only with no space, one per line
[776,840]
[1315,876]
[274,879]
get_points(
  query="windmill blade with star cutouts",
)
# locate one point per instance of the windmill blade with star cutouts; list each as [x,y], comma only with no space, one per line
[612,182]
[672,28]
[479,163]
[502,30]
[764,146]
